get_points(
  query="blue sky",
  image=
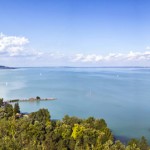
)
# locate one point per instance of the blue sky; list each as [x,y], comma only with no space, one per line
[75,32]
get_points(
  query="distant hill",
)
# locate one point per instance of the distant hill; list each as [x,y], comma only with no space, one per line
[4,67]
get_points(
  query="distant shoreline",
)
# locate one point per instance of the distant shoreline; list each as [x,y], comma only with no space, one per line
[86,67]
[5,67]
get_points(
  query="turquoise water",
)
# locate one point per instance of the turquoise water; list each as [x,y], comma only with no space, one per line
[119,95]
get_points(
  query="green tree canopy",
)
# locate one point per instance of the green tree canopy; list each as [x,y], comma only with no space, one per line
[8,110]
[42,116]
[16,108]
[1,102]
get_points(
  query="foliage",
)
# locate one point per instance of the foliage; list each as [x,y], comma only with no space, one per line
[38,132]
[1,102]
[38,98]
[78,131]
[41,116]
[16,108]
[8,110]
[14,100]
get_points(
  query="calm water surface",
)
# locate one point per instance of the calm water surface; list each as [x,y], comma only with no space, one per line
[119,95]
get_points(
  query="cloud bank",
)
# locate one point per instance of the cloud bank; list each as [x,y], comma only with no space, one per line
[131,56]
[15,51]
[12,45]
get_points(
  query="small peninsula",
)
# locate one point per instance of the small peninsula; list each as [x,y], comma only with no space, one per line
[5,67]
[32,99]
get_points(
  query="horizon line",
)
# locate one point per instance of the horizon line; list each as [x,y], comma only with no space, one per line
[84,67]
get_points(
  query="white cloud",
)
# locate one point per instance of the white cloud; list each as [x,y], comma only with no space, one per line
[12,45]
[131,56]
[78,57]
[14,51]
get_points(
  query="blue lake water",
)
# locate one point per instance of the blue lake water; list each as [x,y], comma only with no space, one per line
[119,95]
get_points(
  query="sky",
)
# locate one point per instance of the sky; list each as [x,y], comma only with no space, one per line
[74,33]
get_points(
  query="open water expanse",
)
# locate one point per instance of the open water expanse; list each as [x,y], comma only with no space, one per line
[119,95]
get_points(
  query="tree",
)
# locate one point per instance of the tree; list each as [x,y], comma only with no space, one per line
[42,116]
[38,98]
[100,124]
[8,110]
[16,108]
[78,131]
[71,120]
[143,143]
[1,102]
[2,113]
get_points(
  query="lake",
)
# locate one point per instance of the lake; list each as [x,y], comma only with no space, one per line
[119,95]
